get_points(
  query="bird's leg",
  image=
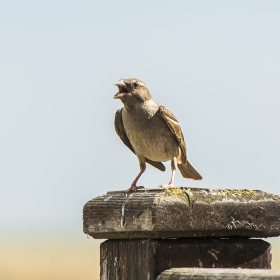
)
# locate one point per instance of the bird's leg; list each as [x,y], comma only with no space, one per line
[171,183]
[133,186]
[173,168]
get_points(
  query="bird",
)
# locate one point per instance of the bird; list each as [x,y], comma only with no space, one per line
[151,132]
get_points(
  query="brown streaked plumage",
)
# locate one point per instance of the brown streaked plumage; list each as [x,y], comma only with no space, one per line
[121,132]
[150,131]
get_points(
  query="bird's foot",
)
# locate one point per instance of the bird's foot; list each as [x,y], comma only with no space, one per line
[132,188]
[166,186]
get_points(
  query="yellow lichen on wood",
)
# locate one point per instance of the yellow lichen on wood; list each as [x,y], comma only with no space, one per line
[237,192]
[181,193]
[174,191]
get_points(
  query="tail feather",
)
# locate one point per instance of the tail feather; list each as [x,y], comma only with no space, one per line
[188,171]
[158,165]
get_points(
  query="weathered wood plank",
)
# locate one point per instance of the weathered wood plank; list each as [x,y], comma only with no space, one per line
[183,212]
[145,259]
[126,260]
[214,274]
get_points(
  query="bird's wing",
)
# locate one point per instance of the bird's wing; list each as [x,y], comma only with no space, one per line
[122,134]
[175,128]
[120,129]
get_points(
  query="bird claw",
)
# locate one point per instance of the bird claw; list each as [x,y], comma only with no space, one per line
[133,188]
[166,186]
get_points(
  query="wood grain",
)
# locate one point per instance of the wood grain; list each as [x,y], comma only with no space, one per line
[182,212]
[213,274]
[145,259]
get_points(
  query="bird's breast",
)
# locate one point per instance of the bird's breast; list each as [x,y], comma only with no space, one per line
[150,136]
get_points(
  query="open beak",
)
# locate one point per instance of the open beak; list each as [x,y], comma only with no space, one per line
[122,90]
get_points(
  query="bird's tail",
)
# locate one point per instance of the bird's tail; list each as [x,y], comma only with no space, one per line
[188,171]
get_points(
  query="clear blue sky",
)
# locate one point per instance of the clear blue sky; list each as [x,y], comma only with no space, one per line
[215,64]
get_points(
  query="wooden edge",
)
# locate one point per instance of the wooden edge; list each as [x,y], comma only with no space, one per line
[214,273]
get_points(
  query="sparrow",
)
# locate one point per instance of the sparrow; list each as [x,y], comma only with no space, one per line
[151,132]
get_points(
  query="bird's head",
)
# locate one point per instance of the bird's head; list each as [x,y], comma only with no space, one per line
[132,91]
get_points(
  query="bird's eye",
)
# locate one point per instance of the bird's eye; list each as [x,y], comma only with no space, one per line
[136,84]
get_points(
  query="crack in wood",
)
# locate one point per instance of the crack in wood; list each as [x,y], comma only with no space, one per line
[122,216]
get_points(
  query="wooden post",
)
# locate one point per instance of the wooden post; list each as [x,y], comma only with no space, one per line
[140,259]
[212,274]
[152,230]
